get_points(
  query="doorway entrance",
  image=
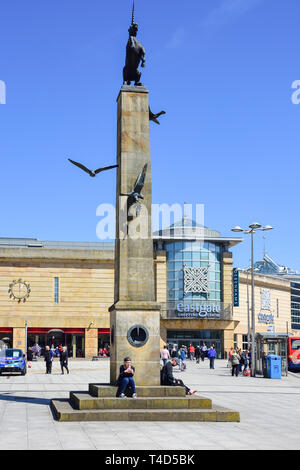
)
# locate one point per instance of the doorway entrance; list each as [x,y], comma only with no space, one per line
[197,338]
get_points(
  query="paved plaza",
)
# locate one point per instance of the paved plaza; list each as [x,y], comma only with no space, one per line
[269,409]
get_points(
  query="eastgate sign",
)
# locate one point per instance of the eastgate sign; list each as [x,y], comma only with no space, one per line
[264,318]
[198,310]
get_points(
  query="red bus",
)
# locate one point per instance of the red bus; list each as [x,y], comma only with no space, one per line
[294,353]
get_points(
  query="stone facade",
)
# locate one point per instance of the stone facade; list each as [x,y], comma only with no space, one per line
[86,291]
[278,316]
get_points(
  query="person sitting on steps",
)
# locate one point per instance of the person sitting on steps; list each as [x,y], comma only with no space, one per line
[167,377]
[125,380]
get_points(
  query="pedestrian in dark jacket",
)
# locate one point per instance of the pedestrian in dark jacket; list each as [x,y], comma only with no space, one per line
[126,385]
[63,358]
[167,378]
[48,359]
[197,354]
[29,356]
[174,352]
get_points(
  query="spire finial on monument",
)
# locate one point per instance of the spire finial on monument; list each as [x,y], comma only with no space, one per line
[132,21]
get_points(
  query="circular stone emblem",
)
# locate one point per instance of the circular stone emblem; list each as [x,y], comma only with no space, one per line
[138,336]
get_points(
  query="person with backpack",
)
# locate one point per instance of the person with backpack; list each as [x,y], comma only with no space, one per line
[235,361]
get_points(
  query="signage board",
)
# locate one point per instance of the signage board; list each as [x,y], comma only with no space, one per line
[236,288]
[195,310]
[265,318]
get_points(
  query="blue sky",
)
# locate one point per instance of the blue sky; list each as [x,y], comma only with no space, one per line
[223,71]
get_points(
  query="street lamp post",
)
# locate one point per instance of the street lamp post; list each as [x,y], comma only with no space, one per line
[26,329]
[251,230]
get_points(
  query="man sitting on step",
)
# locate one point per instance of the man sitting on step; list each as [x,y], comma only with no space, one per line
[166,376]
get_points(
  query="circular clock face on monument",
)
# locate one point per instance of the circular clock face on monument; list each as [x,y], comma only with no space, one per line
[19,290]
[137,336]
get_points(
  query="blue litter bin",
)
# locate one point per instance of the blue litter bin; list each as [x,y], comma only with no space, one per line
[273,366]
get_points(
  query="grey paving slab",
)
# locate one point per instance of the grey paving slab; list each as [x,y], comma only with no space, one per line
[267,407]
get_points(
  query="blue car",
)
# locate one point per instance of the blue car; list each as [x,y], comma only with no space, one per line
[12,360]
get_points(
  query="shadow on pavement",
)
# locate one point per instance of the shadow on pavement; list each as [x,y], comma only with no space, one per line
[35,401]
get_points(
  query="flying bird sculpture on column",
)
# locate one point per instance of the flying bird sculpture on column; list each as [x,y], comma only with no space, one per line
[135,195]
[153,117]
[92,173]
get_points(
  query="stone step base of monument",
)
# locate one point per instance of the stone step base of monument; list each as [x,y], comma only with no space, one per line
[85,401]
[159,403]
[64,411]
[106,390]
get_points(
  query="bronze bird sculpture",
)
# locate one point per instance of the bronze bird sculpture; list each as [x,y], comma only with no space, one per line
[139,184]
[135,195]
[92,173]
[153,117]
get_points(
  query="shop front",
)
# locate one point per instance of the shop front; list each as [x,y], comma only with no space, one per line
[6,338]
[103,340]
[73,338]
[184,323]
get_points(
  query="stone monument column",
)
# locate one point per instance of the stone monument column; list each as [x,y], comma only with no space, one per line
[135,315]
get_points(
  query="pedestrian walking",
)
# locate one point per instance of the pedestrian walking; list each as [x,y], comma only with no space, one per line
[174,352]
[165,355]
[212,354]
[197,354]
[203,351]
[183,358]
[241,363]
[235,360]
[244,360]
[63,358]
[48,359]
[29,357]
[229,356]
[191,352]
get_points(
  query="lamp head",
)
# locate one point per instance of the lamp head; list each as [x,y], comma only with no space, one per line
[237,229]
[255,225]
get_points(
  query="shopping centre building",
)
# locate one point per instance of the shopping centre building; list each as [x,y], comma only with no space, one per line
[62,292]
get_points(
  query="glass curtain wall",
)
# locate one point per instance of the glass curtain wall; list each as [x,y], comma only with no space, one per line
[193,254]
[295,304]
